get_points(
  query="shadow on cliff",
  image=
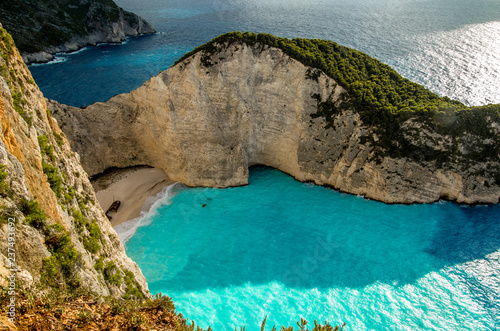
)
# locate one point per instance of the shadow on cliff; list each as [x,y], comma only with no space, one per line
[353,243]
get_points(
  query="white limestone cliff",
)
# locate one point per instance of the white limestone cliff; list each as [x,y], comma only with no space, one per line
[205,125]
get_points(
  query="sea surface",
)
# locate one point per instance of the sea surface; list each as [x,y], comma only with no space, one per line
[284,249]
[289,250]
[450,46]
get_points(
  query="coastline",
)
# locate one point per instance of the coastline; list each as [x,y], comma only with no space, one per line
[132,187]
[51,56]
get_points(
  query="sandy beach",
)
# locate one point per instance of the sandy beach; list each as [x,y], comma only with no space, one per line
[131,187]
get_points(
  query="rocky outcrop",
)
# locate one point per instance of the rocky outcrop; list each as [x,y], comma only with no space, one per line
[47,203]
[207,119]
[44,28]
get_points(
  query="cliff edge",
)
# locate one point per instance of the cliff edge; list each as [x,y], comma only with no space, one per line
[44,28]
[313,109]
[51,226]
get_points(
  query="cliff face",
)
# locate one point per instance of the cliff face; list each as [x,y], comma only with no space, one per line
[62,237]
[211,116]
[43,28]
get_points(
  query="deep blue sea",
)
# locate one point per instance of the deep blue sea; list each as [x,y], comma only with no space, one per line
[284,249]
[449,46]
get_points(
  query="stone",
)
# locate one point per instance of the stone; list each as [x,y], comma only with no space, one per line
[22,160]
[206,125]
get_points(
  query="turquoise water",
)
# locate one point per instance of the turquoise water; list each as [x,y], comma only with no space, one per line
[449,46]
[286,249]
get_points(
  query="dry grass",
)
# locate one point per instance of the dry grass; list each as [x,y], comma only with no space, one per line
[86,311]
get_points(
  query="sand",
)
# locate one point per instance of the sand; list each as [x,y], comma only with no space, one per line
[131,187]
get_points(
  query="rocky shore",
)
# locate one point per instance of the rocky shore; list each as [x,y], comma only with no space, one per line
[44,28]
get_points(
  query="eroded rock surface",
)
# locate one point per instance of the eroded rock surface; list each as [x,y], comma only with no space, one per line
[205,120]
[38,166]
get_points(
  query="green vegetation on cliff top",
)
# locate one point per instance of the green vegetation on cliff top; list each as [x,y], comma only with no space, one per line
[372,84]
[383,98]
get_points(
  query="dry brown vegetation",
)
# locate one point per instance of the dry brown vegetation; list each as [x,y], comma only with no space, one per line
[86,311]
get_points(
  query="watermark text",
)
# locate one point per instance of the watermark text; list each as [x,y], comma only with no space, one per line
[11,257]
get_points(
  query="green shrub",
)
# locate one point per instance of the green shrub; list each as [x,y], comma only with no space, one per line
[6,213]
[91,244]
[57,238]
[69,195]
[160,302]
[80,221]
[133,288]
[99,264]
[53,178]
[45,147]
[4,72]
[4,185]
[115,279]
[19,102]
[50,268]
[8,42]
[82,205]
[112,274]
[94,230]
[33,214]
[62,265]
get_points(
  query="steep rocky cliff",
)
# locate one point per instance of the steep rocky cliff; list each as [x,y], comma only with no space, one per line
[62,238]
[233,104]
[43,28]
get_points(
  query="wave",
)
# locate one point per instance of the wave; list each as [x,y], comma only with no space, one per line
[60,57]
[150,208]
[73,52]
[55,60]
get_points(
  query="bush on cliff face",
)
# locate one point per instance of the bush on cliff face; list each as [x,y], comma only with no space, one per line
[33,214]
[4,184]
[45,147]
[91,242]
[53,178]
[60,267]
[112,274]
[8,44]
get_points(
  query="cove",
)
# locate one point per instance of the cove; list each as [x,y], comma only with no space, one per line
[285,249]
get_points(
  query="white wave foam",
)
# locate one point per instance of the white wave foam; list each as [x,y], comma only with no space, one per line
[53,61]
[74,52]
[127,229]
